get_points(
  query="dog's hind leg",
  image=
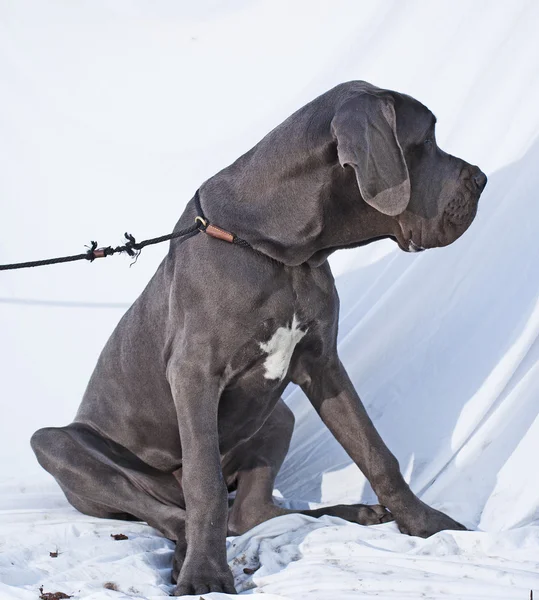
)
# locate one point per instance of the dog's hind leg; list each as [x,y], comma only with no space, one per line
[103,479]
[255,465]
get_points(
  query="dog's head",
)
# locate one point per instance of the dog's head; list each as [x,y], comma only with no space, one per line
[388,139]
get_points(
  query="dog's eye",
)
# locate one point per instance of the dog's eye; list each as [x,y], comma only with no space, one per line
[428,142]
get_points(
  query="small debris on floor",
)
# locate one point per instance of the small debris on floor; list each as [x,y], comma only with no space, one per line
[54,554]
[52,595]
[119,536]
[111,586]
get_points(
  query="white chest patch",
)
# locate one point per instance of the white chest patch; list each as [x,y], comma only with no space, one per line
[280,348]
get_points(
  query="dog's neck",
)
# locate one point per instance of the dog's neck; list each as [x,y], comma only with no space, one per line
[290,198]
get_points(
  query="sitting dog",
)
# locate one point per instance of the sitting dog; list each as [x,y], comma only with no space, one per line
[185,403]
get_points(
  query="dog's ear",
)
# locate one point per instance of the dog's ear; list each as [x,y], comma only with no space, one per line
[366,134]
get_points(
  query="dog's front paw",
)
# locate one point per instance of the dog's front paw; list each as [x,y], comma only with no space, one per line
[424,521]
[203,578]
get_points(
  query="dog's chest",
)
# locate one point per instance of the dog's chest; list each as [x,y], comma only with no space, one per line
[278,350]
[274,348]
[265,361]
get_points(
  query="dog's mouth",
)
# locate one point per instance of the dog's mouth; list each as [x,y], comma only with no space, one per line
[407,245]
[413,247]
[404,238]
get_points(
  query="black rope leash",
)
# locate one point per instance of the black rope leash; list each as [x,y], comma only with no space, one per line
[134,248]
[131,247]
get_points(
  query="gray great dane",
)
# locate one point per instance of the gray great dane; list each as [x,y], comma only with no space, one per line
[185,404]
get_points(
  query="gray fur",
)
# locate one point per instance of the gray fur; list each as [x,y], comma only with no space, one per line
[179,409]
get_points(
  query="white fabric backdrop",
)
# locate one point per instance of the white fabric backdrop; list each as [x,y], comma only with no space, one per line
[112,114]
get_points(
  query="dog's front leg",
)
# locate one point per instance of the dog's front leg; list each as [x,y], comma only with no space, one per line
[333,396]
[196,396]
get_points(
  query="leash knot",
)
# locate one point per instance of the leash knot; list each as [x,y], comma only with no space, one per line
[90,255]
[130,245]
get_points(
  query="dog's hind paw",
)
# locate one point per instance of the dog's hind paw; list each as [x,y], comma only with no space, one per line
[363,514]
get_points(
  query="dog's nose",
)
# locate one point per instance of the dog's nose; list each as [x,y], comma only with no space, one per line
[480,180]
